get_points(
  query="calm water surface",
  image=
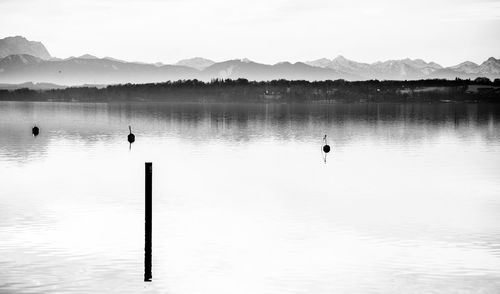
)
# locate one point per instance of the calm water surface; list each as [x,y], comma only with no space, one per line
[407,202]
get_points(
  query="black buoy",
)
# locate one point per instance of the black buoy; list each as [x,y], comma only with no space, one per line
[130,137]
[326,147]
[35,131]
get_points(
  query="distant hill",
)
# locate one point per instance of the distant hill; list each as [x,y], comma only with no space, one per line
[466,67]
[234,69]
[490,68]
[28,61]
[20,45]
[342,64]
[31,86]
[196,62]
[386,70]
[77,71]
[20,68]
[88,56]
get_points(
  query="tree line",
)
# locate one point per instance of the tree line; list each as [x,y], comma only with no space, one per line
[298,91]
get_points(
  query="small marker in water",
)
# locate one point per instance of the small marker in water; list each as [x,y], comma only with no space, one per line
[130,137]
[35,131]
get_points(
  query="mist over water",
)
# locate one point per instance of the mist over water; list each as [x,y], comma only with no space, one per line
[407,202]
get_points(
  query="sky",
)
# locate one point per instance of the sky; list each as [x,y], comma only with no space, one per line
[268,31]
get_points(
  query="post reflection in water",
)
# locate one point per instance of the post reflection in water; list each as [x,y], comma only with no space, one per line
[408,204]
[148,228]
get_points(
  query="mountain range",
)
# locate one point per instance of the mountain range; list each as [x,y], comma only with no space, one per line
[23,61]
[20,45]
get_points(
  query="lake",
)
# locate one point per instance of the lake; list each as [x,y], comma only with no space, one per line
[408,200]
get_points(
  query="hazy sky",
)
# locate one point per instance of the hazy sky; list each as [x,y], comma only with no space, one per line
[269,31]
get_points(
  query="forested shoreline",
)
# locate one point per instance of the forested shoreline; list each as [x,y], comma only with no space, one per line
[279,91]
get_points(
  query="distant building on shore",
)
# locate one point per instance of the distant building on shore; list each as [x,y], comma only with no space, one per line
[272,95]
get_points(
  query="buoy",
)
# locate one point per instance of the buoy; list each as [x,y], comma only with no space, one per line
[130,137]
[35,131]
[326,147]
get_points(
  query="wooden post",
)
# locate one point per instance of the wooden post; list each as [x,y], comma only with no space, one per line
[148,223]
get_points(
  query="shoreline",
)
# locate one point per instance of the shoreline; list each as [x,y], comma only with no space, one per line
[280,91]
